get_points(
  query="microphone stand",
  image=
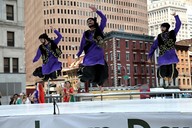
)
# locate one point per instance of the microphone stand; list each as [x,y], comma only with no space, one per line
[54,104]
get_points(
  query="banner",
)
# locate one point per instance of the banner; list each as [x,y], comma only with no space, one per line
[100,120]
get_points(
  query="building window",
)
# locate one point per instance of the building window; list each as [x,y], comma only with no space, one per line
[134,56]
[143,80]
[146,57]
[149,81]
[53,2]
[142,57]
[119,69]
[118,43]
[136,81]
[127,44]
[134,44]
[10,12]
[58,20]
[118,56]
[119,82]
[111,56]
[106,57]
[128,69]
[188,82]
[183,81]
[135,69]
[127,56]
[15,65]
[6,65]
[153,83]
[146,46]
[141,44]
[111,68]
[152,70]
[10,39]
[142,69]
[147,70]
[179,82]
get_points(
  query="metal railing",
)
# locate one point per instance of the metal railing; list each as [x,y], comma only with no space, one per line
[90,96]
[101,95]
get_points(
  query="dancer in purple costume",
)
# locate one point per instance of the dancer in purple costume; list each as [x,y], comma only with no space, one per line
[167,54]
[50,53]
[95,69]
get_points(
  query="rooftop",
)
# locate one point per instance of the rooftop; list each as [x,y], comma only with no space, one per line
[128,36]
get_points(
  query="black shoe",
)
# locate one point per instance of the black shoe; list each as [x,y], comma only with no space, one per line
[45,78]
[59,73]
[53,75]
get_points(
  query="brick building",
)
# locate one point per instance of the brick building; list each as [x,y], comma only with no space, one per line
[126,55]
[184,67]
[185,64]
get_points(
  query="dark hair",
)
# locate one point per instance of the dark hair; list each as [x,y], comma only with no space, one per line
[167,25]
[95,21]
[45,36]
[16,94]
[96,25]
[91,18]
[67,82]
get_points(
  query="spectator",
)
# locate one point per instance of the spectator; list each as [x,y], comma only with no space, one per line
[13,99]
[39,94]
[19,99]
[31,99]
[68,92]
[26,100]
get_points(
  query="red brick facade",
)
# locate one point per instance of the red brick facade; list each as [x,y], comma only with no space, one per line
[126,54]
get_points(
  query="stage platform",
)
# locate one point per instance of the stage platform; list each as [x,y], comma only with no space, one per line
[149,113]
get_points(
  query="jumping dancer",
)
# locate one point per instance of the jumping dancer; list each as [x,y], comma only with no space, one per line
[94,68]
[167,55]
[50,53]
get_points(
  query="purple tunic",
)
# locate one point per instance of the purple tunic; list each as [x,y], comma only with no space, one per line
[95,54]
[170,56]
[53,64]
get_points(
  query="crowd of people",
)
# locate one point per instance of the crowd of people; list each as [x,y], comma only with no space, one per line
[38,96]
[21,98]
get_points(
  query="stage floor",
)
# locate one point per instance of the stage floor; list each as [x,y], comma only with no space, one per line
[123,106]
[149,113]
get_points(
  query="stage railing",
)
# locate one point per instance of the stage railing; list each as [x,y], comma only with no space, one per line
[90,96]
[80,96]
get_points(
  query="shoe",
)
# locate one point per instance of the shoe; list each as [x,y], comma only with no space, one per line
[45,78]
[53,75]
